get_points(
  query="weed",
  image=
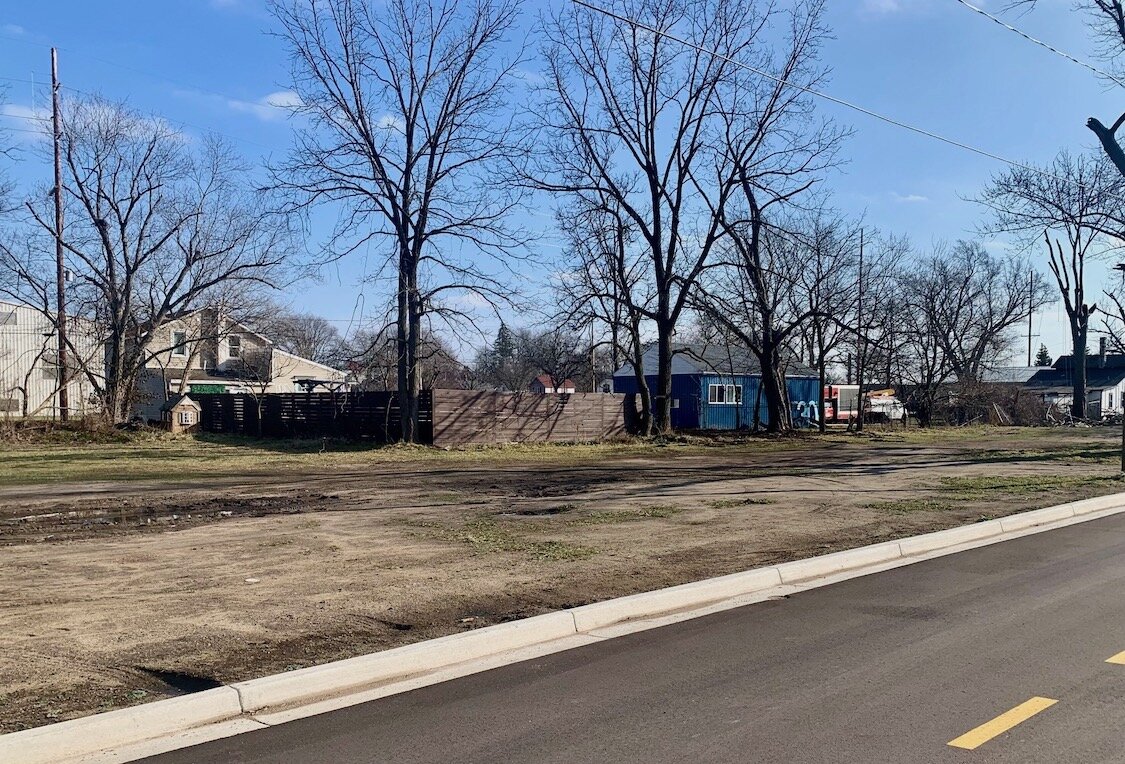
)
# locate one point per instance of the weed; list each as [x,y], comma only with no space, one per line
[732,503]
[627,515]
[908,506]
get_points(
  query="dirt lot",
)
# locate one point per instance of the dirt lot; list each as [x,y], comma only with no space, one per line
[124,591]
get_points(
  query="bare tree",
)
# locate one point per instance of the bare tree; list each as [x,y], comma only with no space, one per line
[1075,205]
[372,361]
[825,286]
[971,302]
[604,289]
[304,334]
[157,226]
[666,133]
[406,104]
[559,352]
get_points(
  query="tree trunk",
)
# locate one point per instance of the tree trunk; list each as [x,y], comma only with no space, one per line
[663,398]
[1078,332]
[774,390]
[402,348]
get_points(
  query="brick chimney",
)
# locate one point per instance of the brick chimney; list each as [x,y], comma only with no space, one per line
[1101,351]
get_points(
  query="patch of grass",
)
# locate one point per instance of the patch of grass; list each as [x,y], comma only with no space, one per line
[988,486]
[732,503]
[486,536]
[1073,453]
[909,506]
[627,515]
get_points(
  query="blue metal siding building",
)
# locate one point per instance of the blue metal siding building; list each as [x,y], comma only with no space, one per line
[706,397]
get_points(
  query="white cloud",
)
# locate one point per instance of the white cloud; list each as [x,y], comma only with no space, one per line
[882,6]
[272,107]
[15,30]
[909,198]
[28,122]
[390,122]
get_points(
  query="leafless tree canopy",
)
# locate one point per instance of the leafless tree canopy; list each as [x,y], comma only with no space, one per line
[971,302]
[662,136]
[1075,206]
[407,130]
[156,227]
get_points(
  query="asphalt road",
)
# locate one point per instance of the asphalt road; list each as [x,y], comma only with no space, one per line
[887,668]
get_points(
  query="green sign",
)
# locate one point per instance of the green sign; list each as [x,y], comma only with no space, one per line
[207,388]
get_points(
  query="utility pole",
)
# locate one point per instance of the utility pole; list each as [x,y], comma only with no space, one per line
[861,340]
[1030,313]
[64,376]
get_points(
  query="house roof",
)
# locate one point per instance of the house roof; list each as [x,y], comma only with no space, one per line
[180,400]
[548,381]
[1011,375]
[711,359]
[1099,374]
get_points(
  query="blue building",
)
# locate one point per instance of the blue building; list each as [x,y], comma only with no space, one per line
[719,388]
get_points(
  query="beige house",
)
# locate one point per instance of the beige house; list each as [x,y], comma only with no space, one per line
[203,352]
[30,377]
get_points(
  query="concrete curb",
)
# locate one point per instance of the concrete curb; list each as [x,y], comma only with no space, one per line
[80,737]
[73,740]
[337,678]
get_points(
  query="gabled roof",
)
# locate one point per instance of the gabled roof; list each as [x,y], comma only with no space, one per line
[711,359]
[177,400]
[1099,374]
[1011,375]
[548,381]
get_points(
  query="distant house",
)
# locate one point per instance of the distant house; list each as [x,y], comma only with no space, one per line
[1011,375]
[1105,383]
[545,383]
[203,352]
[718,388]
[29,364]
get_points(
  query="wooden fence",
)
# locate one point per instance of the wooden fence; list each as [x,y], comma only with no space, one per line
[446,417]
[463,417]
[369,415]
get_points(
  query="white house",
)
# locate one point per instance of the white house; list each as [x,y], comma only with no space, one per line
[30,377]
[203,352]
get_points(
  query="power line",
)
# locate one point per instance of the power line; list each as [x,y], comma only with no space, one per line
[1042,44]
[821,94]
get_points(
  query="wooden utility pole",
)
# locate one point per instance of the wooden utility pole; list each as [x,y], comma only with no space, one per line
[1030,313]
[64,377]
[861,341]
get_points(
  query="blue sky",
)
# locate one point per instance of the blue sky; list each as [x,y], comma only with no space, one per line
[209,65]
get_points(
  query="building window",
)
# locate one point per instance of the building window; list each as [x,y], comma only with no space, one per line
[7,318]
[1109,401]
[179,344]
[724,395]
[234,342]
[187,417]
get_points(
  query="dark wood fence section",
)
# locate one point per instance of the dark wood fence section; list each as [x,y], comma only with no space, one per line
[467,417]
[447,417]
[371,416]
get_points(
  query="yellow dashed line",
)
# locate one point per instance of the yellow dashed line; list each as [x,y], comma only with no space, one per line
[974,738]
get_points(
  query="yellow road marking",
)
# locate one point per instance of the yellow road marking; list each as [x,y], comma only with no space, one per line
[1119,658]
[975,738]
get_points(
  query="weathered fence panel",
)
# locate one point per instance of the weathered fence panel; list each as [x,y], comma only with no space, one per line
[466,417]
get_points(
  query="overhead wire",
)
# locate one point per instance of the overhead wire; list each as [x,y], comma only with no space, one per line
[821,94]
[1042,44]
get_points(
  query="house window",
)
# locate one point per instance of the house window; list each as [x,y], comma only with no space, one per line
[179,344]
[724,395]
[1109,401]
[187,417]
[234,342]
[7,318]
